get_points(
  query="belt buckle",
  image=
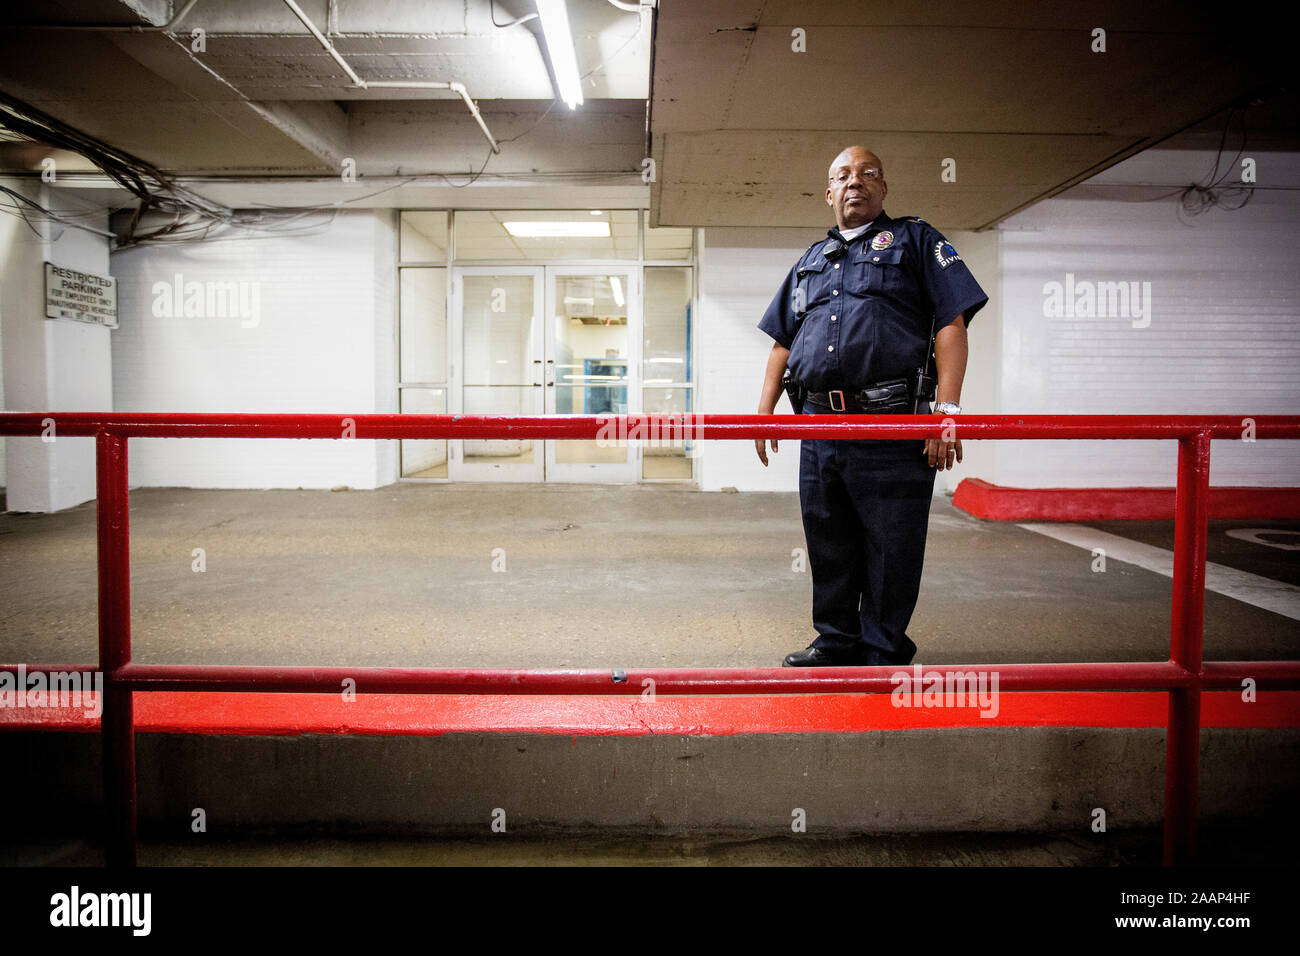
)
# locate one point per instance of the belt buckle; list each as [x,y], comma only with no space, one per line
[831,395]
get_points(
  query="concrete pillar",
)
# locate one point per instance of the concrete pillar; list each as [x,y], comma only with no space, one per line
[49,364]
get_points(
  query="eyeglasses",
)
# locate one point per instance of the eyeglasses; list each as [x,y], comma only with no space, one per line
[870,174]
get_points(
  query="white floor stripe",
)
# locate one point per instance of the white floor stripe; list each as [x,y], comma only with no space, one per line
[1276,596]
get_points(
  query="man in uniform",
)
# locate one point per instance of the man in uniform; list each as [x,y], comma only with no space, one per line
[853,323]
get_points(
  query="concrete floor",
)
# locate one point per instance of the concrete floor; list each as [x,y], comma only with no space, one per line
[614,576]
[594,576]
[1134,848]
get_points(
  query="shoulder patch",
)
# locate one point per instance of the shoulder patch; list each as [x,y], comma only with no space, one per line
[945,254]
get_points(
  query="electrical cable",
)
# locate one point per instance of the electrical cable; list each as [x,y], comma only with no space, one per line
[49,215]
[1197,198]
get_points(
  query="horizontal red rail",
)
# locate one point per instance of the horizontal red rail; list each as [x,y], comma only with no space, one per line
[707,680]
[1222,675]
[644,427]
[720,680]
[1156,675]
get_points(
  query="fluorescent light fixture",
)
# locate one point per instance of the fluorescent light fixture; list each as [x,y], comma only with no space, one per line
[596,212]
[540,229]
[559,44]
[616,284]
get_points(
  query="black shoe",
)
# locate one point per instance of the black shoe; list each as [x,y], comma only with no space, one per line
[816,657]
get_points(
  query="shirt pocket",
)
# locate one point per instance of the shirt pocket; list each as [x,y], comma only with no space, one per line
[878,271]
[810,287]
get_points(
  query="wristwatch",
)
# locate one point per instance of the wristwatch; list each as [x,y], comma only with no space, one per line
[947,408]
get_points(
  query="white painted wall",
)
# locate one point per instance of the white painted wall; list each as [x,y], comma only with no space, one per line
[423,338]
[322,341]
[50,364]
[740,271]
[981,392]
[383,319]
[1224,332]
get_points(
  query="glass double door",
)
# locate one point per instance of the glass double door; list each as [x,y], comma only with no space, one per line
[544,340]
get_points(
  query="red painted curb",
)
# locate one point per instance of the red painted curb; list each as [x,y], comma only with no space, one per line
[998,503]
[586,715]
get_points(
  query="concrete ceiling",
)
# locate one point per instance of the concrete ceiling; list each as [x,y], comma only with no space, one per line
[744,127]
[265,98]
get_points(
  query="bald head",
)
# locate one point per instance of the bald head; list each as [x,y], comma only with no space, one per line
[857,189]
[854,156]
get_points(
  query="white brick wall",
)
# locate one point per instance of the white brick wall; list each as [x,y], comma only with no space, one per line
[384,272]
[322,343]
[1223,338]
[740,271]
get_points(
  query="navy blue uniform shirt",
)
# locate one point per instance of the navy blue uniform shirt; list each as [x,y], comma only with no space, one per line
[866,315]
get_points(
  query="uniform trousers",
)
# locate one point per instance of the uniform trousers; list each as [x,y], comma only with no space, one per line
[866,507]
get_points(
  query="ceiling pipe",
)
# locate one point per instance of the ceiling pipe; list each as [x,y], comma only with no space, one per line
[357,81]
[329,47]
[457,88]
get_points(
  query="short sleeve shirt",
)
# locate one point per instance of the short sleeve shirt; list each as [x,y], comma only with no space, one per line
[866,316]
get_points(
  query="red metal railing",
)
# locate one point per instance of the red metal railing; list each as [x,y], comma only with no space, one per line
[1183,676]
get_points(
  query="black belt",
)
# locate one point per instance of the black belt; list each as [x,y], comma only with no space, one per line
[881,398]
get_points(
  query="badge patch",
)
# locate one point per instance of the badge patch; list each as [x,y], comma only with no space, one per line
[883,240]
[945,254]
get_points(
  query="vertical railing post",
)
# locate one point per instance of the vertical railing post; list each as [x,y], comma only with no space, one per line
[1183,735]
[117,722]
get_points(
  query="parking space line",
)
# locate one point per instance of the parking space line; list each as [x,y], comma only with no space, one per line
[1276,596]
